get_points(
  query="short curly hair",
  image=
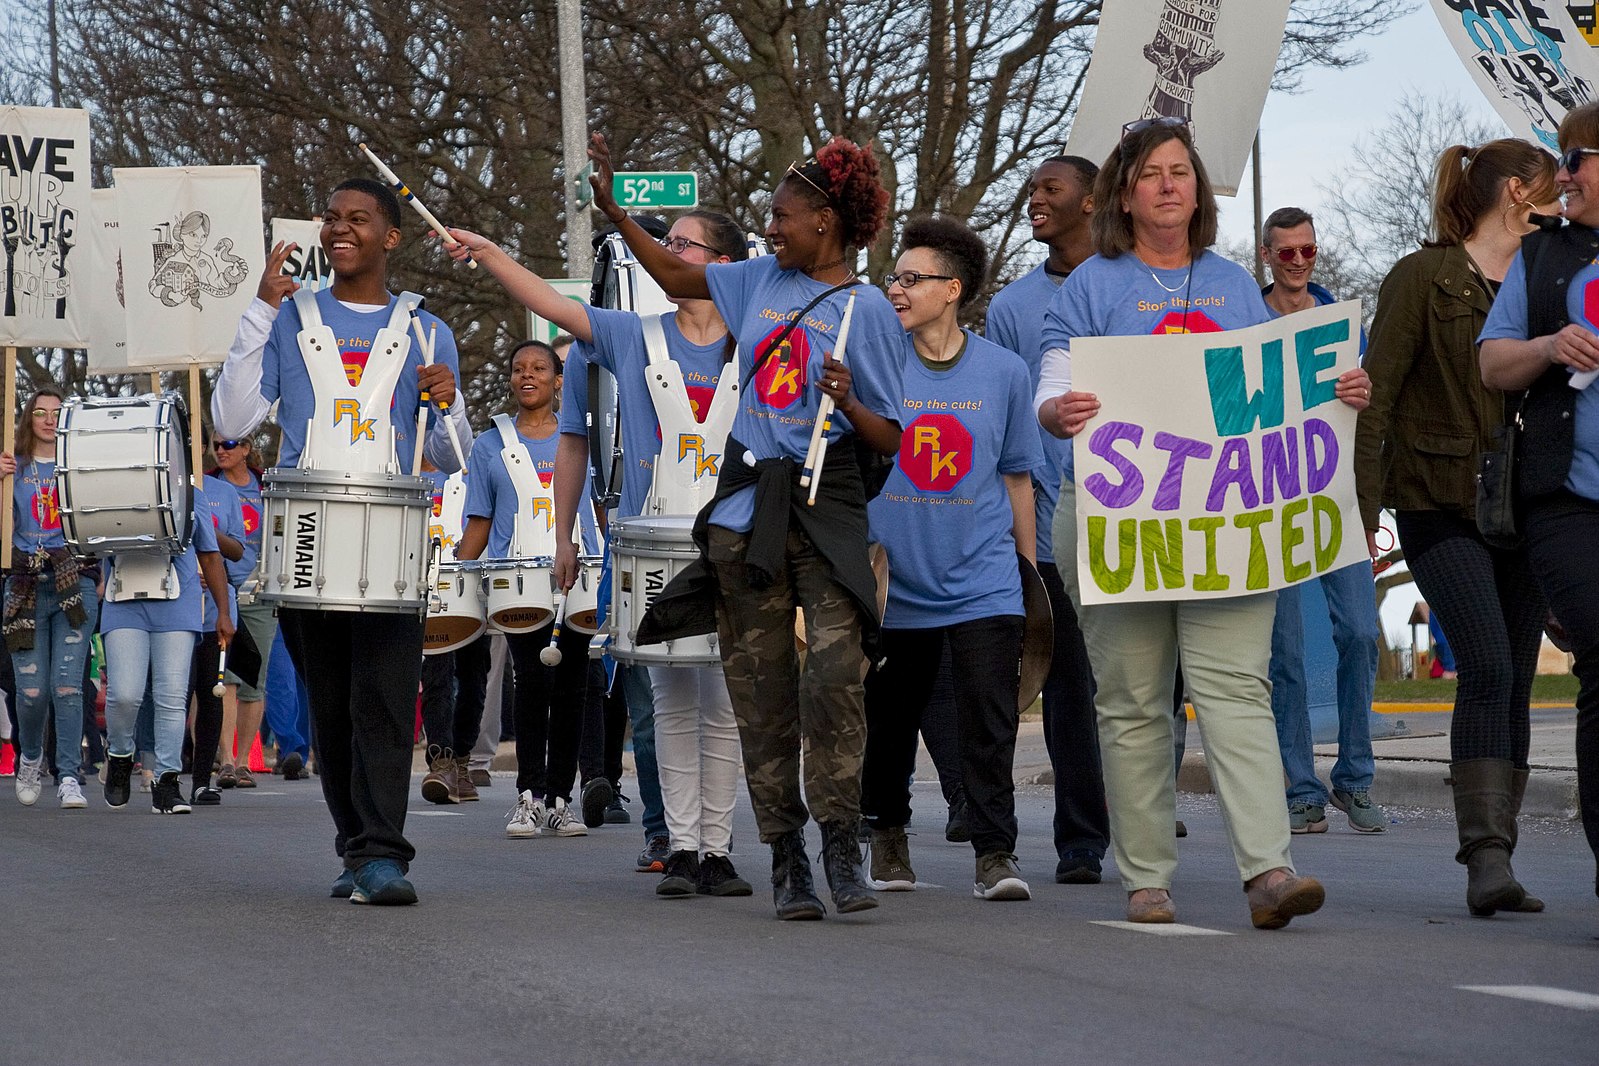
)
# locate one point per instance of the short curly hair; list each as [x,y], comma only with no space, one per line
[845,176]
[959,249]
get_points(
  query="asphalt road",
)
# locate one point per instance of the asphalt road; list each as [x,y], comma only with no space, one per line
[211,939]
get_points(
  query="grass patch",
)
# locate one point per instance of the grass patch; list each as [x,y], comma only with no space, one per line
[1546,688]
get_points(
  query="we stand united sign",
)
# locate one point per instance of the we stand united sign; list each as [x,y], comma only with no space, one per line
[1220,464]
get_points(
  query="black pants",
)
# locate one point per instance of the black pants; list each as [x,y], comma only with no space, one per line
[599,753]
[361,672]
[454,686]
[940,729]
[549,711]
[985,653]
[1563,546]
[207,708]
[1492,612]
[1071,731]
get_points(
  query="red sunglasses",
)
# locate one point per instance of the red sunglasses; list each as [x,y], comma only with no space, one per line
[1307,252]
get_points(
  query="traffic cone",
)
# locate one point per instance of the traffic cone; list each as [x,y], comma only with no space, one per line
[257,761]
[8,759]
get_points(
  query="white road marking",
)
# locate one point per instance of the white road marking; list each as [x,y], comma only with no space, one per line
[1554,997]
[438,814]
[1169,929]
[262,792]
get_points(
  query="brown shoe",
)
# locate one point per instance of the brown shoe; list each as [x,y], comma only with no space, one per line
[465,790]
[1274,906]
[439,786]
[1151,906]
[481,778]
[243,778]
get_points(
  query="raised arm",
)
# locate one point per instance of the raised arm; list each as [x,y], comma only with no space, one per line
[676,276]
[526,287]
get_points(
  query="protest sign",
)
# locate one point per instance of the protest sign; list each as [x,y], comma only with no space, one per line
[44,213]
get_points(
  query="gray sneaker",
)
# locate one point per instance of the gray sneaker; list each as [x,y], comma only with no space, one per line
[1307,817]
[998,878]
[891,861]
[1364,815]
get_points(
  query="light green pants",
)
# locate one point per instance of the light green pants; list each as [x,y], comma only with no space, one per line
[1225,646]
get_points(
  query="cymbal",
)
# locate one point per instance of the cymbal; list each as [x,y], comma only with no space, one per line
[1038,634]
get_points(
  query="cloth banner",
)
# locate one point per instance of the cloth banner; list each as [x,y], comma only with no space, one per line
[191,260]
[1250,490]
[44,207]
[1191,59]
[108,320]
[308,264]
[1534,62]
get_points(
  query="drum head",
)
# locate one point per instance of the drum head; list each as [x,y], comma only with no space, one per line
[1038,635]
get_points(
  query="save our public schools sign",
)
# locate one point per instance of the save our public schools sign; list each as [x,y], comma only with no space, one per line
[1220,464]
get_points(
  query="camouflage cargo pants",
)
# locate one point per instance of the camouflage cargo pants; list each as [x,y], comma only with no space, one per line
[780,710]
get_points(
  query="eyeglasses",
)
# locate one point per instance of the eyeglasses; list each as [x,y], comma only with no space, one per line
[1571,158]
[1307,252]
[679,245]
[908,279]
[229,445]
[1140,125]
[52,414]
[794,169]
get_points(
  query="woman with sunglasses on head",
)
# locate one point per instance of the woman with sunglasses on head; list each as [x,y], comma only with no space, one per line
[50,608]
[1154,221]
[1541,337]
[1416,452]
[764,549]
[952,516]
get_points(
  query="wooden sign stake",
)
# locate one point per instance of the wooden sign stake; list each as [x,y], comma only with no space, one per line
[9,430]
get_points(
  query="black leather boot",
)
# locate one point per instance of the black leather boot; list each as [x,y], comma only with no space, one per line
[1530,904]
[1486,824]
[841,852]
[793,890]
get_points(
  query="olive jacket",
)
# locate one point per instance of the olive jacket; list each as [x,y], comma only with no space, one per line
[1416,446]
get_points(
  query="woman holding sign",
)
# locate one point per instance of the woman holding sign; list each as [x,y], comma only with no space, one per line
[1154,218]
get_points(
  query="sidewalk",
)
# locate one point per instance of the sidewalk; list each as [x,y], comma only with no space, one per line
[1411,768]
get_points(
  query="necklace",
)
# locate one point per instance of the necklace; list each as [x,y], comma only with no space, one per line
[813,271]
[1168,288]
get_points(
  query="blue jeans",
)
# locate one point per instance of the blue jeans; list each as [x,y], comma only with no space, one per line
[1352,607]
[166,660]
[288,707]
[50,674]
[640,699]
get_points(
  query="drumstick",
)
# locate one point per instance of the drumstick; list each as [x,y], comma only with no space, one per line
[814,457]
[551,656]
[222,666]
[426,345]
[421,208]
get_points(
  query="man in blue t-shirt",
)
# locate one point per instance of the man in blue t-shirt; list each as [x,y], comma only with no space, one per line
[1060,203]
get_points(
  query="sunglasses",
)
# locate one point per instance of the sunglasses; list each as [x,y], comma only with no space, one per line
[679,245]
[1571,159]
[1140,125]
[1307,252]
[53,414]
[909,279]
[229,445]
[794,169]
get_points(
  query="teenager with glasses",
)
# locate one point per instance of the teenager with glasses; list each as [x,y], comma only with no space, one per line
[1416,450]
[1541,337]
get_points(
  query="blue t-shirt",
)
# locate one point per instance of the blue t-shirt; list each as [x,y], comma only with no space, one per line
[944,515]
[778,409]
[38,507]
[187,613]
[1016,321]
[227,517]
[618,346]
[490,493]
[1508,321]
[284,377]
[1323,297]
[249,495]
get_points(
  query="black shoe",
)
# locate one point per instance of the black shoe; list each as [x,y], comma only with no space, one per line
[1078,867]
[718,878]
[615,813]
[841,856]
[291,766]
[956,831]
[166,795]
[793,890]
[118,779]
[682,874]
[597,796]
[205,796]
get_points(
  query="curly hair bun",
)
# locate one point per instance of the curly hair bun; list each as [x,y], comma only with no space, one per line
[855,183]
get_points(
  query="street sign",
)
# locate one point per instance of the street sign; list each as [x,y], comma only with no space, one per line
[656,190]
[542,329]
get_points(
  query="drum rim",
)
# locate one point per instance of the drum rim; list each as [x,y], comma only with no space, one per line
[301,475]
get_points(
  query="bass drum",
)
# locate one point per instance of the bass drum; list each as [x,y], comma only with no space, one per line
[122,474]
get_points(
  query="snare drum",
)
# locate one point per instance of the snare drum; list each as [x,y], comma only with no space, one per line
[122,474]
[344,541]
[646,553]
[456,614]
[583,598]
[521,593]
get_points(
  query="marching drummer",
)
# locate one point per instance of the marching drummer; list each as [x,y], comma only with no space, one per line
[360,667]
[952,516]
[677,379]
[510,515]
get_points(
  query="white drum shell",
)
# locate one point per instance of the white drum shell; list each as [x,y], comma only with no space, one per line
[345,541]
[647,551]
[122,475]
[456,609]
[520,593]
[583,598]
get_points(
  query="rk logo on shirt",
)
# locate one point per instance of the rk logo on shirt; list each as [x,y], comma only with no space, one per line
[936,452]
[781,380]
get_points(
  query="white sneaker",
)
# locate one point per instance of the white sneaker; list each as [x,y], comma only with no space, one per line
[30,776]
[527,817]
[560,821]
[70,793]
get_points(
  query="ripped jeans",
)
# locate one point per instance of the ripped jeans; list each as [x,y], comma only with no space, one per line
[51,674]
